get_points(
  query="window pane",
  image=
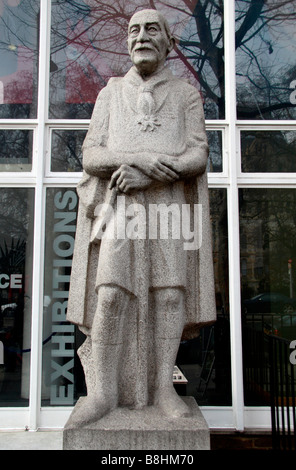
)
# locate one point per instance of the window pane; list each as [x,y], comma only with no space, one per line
[267,227]
[16,242]
[265,59]
[268,151]
[62,376]
[66,150]
[205,361]
[16,150]
[215,147]
[19,28]
[88,46]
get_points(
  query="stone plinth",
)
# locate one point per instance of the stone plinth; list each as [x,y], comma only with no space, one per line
[145,429]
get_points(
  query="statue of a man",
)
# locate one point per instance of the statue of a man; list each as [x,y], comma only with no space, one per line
[134,296]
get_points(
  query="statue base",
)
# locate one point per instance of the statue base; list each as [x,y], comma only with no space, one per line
[145,429]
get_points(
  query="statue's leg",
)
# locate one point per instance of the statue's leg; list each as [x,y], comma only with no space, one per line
[108,332]
[107,336]
[169,323]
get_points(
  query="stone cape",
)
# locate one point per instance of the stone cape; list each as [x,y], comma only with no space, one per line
[199,298]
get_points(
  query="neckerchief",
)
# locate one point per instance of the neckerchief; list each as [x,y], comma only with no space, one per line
[143,103]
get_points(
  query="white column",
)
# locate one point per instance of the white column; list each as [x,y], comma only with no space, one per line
[38,252]
[233,220]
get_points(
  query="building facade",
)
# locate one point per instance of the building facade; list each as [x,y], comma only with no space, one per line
[55,57]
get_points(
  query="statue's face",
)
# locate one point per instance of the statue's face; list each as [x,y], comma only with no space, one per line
[148,43]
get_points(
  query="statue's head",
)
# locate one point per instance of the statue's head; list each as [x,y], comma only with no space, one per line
[149,40]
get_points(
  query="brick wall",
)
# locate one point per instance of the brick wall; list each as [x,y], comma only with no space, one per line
[241,441]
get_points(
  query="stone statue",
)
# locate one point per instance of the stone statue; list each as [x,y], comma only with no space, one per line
[135,294]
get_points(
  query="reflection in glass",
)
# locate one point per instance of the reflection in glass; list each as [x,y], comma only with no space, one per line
[268,234]
[16,244]
[16,150]
[19,29]
[66,151]
[205,361]
[268,151]
[88,46]
[265,59]
[215,151]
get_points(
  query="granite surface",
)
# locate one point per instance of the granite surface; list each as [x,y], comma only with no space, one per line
[146,429]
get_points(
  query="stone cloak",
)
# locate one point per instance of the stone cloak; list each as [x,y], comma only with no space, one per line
[200,308]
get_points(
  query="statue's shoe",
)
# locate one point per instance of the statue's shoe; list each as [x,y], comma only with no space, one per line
[171,404]
[92,409]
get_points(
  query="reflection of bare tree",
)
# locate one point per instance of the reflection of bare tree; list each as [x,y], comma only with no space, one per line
[16,242]
[88,45]
[265,43]
[268,238]
[15,214]
[89,37]
[13,257]
[93,33]
[215,155]
[15,149]
[19,32]
[268,151]
[66,153]
[218,210]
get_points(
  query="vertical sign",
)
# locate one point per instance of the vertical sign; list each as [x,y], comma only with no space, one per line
[63,333]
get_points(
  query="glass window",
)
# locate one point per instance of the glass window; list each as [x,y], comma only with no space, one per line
[267,224]
[265,59]
[16,241]
[268,151]
[62,375]
[19,28]
[215,161]
[88,46]
[16,150]
[205,361]
[66,150]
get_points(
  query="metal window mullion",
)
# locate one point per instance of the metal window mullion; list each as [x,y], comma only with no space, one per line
[233,220]
[39,215]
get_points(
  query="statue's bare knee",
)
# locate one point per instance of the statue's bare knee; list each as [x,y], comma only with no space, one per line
[169,312]
[110,315]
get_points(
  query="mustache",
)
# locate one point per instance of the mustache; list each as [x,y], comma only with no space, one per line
[145,47]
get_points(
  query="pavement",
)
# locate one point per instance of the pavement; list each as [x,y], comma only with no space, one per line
[29,440]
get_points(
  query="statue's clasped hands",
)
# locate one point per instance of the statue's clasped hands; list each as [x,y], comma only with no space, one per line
[143,172]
